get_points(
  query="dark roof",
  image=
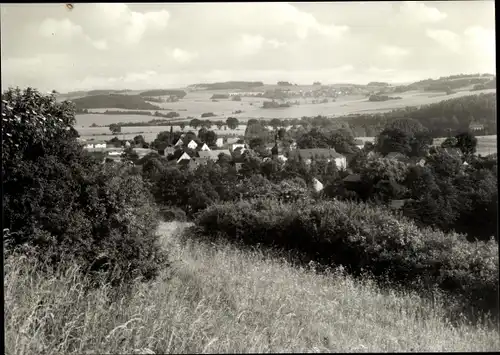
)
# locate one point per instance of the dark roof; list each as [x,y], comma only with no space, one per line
[352,178]
[397,204]
[455,152]
[395,155]
[213,154]
[311,153]
[359,142]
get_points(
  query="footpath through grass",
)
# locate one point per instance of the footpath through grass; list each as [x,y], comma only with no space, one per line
[218,299]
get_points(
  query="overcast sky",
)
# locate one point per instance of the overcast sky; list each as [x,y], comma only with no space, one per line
[139,46]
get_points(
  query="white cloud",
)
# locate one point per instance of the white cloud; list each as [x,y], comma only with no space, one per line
[481,38]
[422,12]
[60,28]
[249,44]
[275,43]
[446,38]
[125,26]
[183,56]
[393,51]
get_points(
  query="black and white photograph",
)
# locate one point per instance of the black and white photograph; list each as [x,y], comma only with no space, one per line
[249,177]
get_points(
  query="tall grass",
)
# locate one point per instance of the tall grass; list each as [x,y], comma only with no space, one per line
[218,299]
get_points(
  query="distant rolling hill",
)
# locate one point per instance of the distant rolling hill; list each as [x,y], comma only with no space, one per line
[129,102]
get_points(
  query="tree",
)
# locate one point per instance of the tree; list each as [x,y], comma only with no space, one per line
[342,140]
[450,142]
[195,123]
[232,122]
[63,204]
[139,141]
[219,124]
[115,128]
[182,125]
[420,144]
[207,124]
[466,142]
[313,139]
[130,155]
[236,98]
[281,133]
[393,140]
[275,123]
[409,126]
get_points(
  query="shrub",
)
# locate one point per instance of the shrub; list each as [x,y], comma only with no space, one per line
[363,238]
[63,204]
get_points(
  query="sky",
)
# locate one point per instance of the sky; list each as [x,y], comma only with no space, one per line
[145,46]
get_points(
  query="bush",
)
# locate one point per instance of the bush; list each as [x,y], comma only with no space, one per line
[63,204]
[363,238]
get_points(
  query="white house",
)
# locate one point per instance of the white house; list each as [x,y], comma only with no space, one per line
[114,153]
[179,143]
[341,162]
[282,158]
[184,156]
[318,186]
[192,144]
[220,142]
[205,147]
[89,146]
[127,144]
[239,145]
[103,145]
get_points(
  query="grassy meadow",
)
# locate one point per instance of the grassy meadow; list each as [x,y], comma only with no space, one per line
[217,298]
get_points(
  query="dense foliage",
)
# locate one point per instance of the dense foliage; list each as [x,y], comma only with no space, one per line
[363,238]
[64,204]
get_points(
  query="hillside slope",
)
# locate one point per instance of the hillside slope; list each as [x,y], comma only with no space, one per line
[129,102]
[218,299]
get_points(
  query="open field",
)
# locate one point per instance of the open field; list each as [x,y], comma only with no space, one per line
[218,299]
[148,132]
[198,102]
[485,144]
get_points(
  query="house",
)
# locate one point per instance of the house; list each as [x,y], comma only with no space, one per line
[89,146]
[184,158]
[476,126]
[114,153]
[238,166]
[359,143]
[239,145]
[220,142]
[232,140]
[179,143]
[352,178]
[282,158]
[192,144]
[213,154]
[100,146]
[141,152]
[293,146]
[167,151]
[453,152]
[417,161]
[318,186]
[396,156]
[329,154]
[127,144]
[205,147]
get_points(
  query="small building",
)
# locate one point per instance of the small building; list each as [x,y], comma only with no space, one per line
[396,156]
[100,145]
[205,148]
[317,185]
[453,152]
[329,154]
[238,166]
[232,140]
[239,145]
[282,158]
[220,142]
[213,154]
[359,143]
[192,144]
[476,126]
[184,158]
